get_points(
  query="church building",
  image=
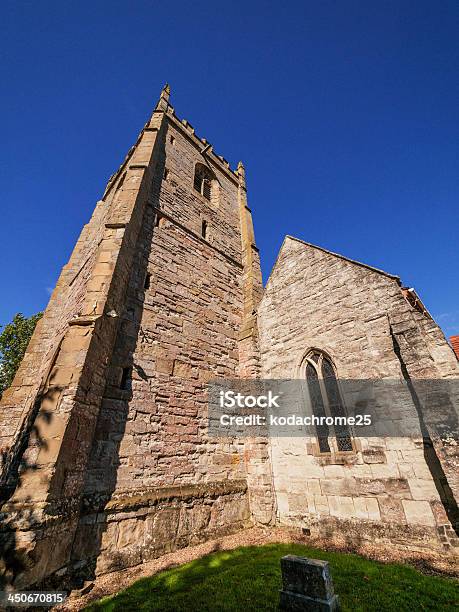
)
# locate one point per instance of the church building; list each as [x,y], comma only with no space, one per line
[106,460]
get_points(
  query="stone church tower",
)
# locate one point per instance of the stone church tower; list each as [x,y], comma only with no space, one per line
[106,460]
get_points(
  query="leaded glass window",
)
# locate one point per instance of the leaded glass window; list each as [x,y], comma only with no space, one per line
[326,400]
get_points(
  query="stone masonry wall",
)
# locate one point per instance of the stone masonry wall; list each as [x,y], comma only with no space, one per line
[45,466]
[179,327]
[174,336]
[132,526]
[384,489]
[66,303]
[121,413]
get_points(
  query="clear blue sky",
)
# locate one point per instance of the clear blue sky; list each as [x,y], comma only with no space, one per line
[345,114]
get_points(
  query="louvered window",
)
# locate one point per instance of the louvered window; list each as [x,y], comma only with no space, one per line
[206,188]
[203,181]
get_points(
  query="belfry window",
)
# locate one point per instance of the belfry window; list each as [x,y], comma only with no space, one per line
[203,179]
[326,401]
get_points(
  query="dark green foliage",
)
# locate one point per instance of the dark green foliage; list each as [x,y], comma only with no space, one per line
[13,343]
[250,579]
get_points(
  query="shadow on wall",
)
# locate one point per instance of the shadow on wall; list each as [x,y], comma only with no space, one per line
[430,451]
[17,463]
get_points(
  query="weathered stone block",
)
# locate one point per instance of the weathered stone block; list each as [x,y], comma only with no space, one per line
[418,512]
[130,532]
[341,506]
[391,510]
[423,489]
[374,455]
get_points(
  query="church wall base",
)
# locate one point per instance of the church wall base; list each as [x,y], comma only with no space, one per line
[129,529]
[354,535]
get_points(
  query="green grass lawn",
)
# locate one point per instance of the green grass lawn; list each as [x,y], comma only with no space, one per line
[249,579]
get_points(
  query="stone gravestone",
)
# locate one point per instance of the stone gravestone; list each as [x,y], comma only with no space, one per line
[307,585]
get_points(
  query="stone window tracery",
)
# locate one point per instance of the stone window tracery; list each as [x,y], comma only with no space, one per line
[326,400]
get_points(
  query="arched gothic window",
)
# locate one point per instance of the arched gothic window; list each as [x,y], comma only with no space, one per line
[326,400]
[203,181]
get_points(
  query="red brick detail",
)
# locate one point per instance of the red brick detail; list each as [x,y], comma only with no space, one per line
[454,340]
